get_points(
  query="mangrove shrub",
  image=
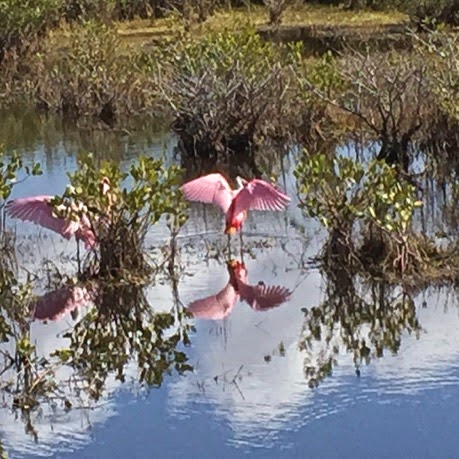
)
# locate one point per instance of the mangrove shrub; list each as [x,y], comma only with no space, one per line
[227,92]
[121,216]
[92,79]
[341,192]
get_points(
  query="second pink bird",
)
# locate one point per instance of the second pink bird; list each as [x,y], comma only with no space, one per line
[250,195]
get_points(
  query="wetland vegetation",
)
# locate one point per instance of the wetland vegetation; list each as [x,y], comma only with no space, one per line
[361,95]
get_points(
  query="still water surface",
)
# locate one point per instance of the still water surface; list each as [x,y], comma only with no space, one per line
[248,394]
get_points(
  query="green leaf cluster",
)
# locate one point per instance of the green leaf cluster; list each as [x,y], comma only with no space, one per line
[9,169]
[121,216]
[339,190]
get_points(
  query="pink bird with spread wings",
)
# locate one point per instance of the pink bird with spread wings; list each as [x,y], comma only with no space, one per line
[255,194]
[259,297]
[38,210]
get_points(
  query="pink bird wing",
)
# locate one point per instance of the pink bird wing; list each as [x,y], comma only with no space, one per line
[212,189]
[38,210]
[260,195]
[216,306]
[262,297]
[53,305]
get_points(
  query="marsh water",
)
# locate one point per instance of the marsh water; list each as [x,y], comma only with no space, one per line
[248,393]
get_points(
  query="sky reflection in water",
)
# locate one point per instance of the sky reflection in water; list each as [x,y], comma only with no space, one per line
[248,392]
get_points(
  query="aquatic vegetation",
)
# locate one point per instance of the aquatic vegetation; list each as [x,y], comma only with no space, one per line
[348,196]
[121,325]
[121,218]
[123,328]
[120,328]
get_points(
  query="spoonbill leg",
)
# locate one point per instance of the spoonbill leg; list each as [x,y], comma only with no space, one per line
[78,256]
[229,246]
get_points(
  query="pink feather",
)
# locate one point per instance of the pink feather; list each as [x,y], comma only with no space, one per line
[259,297]
[217,306]
[211,189]
[263,297]
[53,305]
[38,210]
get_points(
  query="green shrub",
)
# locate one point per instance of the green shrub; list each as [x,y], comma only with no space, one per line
[92,79]
[227,91]
[23,20]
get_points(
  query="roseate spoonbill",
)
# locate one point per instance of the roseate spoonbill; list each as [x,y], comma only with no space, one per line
[255,194]
[259,297]
[38,210]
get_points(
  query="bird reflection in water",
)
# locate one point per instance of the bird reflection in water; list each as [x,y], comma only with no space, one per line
[259,297]
[55,304]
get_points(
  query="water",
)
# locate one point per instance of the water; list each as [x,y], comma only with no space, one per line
[248,393]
